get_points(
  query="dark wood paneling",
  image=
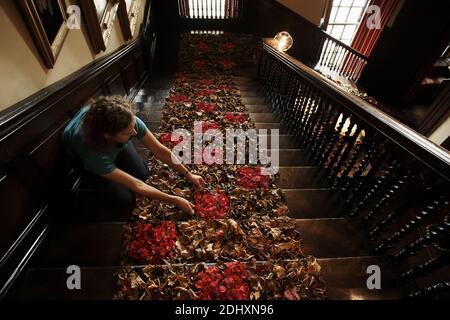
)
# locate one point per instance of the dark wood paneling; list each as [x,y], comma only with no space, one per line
[18,209]
[38,178]
[116,85]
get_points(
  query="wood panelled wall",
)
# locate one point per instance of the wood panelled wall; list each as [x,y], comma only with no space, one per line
[35,179]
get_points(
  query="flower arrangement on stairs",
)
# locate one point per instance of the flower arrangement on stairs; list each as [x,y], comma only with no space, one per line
[240,244]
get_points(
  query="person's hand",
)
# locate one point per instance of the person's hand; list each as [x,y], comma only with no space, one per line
[184,205]
[197,180]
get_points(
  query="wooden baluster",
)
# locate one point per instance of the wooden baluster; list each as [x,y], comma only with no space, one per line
[331,118]
[312,136]
[278,81]
[375,188]
[359,69]
[422,242]
[340,59]
[351,64]
[344,146]
[335,57]
[425,268]
[340,166]
[431,292]
[397,212]
[415,191]
[297,106]
[372,167]
[273,74]
[330,54]
[344,63]
[352,73]
[320,132]
[326,46]
[393,188]
[410,226]
[284,99]
[292,103]
[368,150]
[332,141]
[310,115]
[302,110]
[289,99]
[305,113]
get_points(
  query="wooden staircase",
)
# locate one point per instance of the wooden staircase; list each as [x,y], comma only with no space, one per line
[93,239]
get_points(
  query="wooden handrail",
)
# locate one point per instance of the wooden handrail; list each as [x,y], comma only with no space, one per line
[345,46]
[432,155]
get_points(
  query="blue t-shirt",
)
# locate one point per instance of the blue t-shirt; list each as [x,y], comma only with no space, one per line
[97,161]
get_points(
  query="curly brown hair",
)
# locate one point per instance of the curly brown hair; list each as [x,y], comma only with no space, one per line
[106,115]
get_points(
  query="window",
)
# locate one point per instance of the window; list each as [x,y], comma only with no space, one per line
[209,9]
[345,18]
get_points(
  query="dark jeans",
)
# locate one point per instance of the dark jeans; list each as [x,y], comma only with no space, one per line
[113,194]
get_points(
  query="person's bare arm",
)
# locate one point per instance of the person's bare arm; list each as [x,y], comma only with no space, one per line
[144,189]
[164,154]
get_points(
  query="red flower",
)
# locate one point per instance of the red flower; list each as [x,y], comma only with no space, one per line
[202,47]
[251,178]
[225,88]
[199,64]
[206,92]
[204,82]
[229,283]
[235,117]
[179,98]
[209,125]
[226,64]
[211,205]
[167,139]
[206,107]
[229,45]
[152,244]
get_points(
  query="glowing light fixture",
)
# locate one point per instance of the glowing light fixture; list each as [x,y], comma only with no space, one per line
[283,41]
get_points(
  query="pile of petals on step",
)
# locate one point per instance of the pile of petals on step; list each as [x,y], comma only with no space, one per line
[219,106]
[226,54]
[277,280]
[240,242]
[260,237]
[244,192]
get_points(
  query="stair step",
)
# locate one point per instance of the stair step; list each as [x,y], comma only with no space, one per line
[310,204]
[271,126]
[255,108]
[89,208]
[50,284]
[149,116]
[250,93]
[81,244]
[156,84]
[157,93]
[302,178]
[346,279]
[294,157]
[284,141]
[331,238]
[254,100]
[263,117]
[149,106]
